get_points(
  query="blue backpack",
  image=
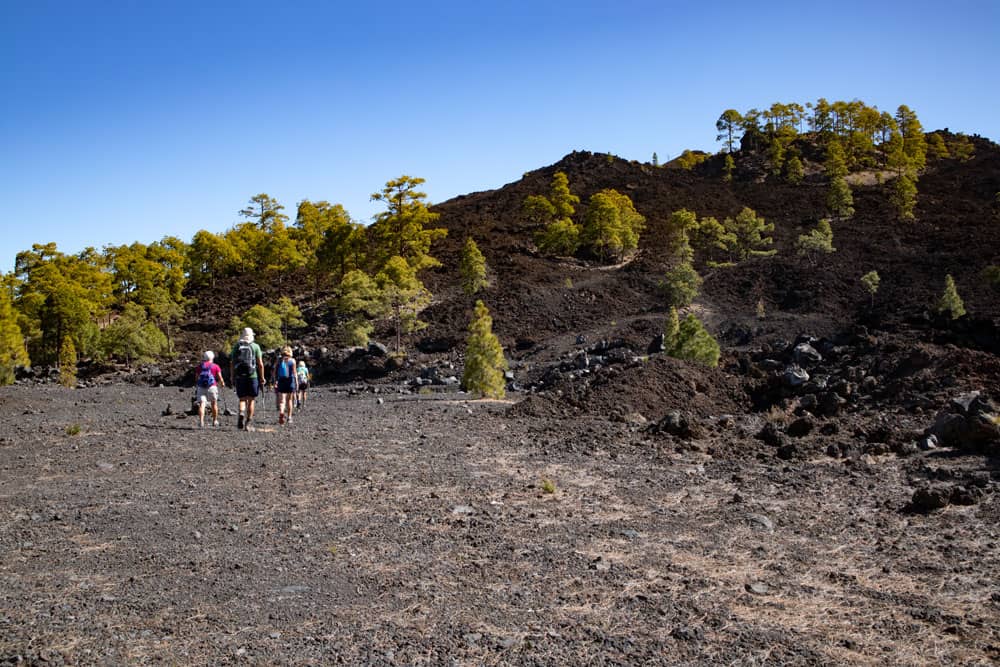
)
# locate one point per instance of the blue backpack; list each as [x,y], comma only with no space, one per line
[283,371]
[206,378]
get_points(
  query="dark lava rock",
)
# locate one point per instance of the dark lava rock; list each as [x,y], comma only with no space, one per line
[770,435]
[687,633]
[927,499]
[800,428]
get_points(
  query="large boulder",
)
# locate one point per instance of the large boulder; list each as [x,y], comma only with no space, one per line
[969,422]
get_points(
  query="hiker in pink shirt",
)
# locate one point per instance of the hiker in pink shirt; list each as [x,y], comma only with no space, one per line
[208,379]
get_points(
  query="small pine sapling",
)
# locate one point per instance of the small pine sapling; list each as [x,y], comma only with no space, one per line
[871,281]
[950,302]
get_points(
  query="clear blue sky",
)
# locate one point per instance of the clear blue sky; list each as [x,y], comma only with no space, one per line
[125,121]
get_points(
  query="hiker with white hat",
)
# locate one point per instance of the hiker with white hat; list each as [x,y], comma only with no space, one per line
[208,379]
[246,371]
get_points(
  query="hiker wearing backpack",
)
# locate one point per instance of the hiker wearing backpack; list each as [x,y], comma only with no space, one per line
[208,379]
[285,384]
[246,371]
[303,376]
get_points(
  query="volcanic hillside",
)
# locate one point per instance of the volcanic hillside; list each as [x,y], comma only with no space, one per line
[543,306]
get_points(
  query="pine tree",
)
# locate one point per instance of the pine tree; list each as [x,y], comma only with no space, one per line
[749,230]
[472,268]
[839,199]
[560,236]
[904,196]
[950,302]
[67,363]
[871,281]
[727,124]
[794,171]
[693,342]
[681,284]
[484,360]
[266,325]
[612,225]
[358,301]
[671,331]
[403,295]
[12,350]
[818,241]
[728,167]
[401,230]
[936,148]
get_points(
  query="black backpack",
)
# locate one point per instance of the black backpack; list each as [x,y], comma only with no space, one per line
[246,360]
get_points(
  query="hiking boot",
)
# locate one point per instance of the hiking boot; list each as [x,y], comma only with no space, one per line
[281,418]
[215,424]
[289,419]
[239,423]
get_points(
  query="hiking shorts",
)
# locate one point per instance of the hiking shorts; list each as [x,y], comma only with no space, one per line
[303,386]
[207,394]
[285,386]
[247,387]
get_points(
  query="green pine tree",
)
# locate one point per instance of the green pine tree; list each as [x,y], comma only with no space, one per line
[681,284]
[749,230]
[693,342]
[817,242]
[472,268]
[871,281]
[839,199]
[401,230]
[728,167]
[67,363]
[671,331]
[12,350]
[484,360]
[612,225]
[950,302]
[904,196]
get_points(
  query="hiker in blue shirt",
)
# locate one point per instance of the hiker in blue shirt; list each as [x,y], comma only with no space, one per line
[286,384]
[303,376]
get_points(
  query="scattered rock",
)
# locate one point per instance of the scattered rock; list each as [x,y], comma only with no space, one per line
[757,588]
[761,521]
[927,499]
[800,428]
[686,633]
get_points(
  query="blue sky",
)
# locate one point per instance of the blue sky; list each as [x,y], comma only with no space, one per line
[129,121]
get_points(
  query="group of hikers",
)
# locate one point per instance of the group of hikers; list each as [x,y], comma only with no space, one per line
[246,373]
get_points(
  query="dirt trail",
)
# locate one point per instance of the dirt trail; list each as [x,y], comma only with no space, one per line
[417,530]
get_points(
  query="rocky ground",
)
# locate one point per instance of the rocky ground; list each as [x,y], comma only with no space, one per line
[424,528]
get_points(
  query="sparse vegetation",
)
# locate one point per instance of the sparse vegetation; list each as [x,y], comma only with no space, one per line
[870,281]
[73,430]
[548,486]
[950,303]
